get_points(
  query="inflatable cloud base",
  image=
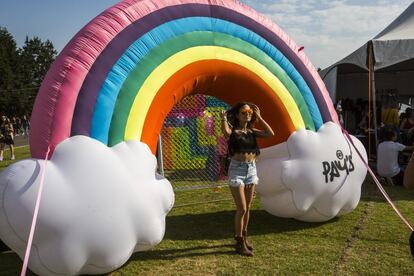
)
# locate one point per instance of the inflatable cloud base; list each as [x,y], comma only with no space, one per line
[99,205]
[314,176]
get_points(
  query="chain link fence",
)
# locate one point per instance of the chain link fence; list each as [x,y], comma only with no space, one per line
[193,143]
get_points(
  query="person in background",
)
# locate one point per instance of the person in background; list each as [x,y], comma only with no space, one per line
[390,115]
[16,126]
[6,137]
[387,156]
[339,111]
[407,127]
[25,126]
[238,126]
[363,124]
[403,115]
[409,174]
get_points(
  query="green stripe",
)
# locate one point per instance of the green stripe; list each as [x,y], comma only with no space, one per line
[165,50]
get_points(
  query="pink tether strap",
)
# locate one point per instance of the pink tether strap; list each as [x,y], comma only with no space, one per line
[34,220]
[384,193]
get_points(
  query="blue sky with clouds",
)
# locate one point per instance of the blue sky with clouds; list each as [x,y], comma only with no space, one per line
[328,29]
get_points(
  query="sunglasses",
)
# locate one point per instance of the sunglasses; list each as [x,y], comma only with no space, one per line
[246,111]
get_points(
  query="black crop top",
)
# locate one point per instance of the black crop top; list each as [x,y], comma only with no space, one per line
[243,143]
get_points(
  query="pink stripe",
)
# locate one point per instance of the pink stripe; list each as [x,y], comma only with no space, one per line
[34,220]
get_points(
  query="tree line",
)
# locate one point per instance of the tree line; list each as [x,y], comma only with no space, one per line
[22,71]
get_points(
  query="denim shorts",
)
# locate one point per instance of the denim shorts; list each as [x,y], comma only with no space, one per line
[242,173]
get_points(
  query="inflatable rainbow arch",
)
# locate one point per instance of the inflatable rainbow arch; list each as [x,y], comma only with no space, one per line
[119,77]
[117,80]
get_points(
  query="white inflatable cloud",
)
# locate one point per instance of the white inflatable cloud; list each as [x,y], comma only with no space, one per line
[314,176]
[99,205]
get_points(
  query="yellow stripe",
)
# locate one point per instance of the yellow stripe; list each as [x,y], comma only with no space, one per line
[165,70]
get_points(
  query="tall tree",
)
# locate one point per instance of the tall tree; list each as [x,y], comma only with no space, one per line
[35,59]
[9,57]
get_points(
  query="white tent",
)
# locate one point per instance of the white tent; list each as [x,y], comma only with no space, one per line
[383,65]
[392,55]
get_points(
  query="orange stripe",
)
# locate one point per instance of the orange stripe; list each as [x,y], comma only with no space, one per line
[226,81]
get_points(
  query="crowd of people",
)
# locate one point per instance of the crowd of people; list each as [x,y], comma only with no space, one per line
[397,140]
[357,118]
[395,133]
[9,129]
[388,161]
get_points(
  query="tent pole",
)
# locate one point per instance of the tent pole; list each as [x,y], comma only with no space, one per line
[374,96]
[369,100]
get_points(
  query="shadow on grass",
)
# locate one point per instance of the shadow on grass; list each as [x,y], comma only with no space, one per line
[219,225]
[370,192]
[11,264]
[208,227]
[3,247]
[176,253]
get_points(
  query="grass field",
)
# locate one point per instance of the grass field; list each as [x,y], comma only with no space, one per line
[371,240]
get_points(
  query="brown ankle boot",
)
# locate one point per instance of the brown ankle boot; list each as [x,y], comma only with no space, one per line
[241,247]
[249,245]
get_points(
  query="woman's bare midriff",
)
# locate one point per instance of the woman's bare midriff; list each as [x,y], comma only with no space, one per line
[244,157]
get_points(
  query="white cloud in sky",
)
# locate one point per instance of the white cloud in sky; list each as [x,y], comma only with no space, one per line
[330,30]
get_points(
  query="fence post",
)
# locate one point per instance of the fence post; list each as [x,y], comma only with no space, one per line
[160,162]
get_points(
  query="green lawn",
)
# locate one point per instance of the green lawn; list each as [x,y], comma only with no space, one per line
[20,153]
[369,241]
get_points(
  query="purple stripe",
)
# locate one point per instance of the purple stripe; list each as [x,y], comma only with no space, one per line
[96,76]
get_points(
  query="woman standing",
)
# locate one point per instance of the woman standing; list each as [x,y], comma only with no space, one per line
[237,126]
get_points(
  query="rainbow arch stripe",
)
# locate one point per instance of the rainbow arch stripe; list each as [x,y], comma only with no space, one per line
[118,78]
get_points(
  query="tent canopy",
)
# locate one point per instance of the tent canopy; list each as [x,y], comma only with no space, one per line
[393,54]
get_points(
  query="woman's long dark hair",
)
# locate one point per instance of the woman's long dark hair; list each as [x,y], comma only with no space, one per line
[233,111]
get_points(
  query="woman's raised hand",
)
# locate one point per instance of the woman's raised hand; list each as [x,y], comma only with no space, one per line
[223,115]
[257,111]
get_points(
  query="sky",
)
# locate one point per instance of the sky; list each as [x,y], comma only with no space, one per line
[328,29]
